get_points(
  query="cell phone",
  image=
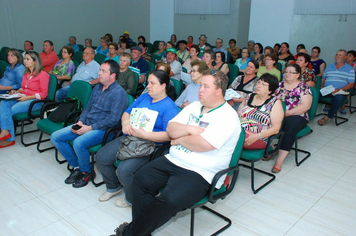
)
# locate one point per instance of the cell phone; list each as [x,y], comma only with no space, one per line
[76,127]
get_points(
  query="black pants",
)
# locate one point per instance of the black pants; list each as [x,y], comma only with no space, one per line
[291,126]
[181,189]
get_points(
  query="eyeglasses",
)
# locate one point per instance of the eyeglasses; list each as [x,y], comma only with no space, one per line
[291,72]
[218,42]
[111,47]
[262,83]
[64,52]
[268,59]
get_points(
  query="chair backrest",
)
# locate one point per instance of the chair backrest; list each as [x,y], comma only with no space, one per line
[52,87]
[238,150]
[137,78]
[81,90]
[78,56]
[314,106]
[60,54]
[279,67]
[151,66]
[234,71]
[3,54]
[177,85]
[99,58]
[149,47]
[155,46]
[81,47]
[3,65]
[130,100]
[184,69]
[76,64]
[318,83]
[228,57]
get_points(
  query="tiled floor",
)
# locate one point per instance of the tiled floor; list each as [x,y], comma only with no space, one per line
[317,198]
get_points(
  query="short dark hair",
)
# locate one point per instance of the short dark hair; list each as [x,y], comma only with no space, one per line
[232,40]
[271,80]
[222,55]
[141,37]
[143,44]
[171,43]
[196,47]
[28,41]
[109,36]
[352,52]
[114,67]
[114,44]
[317,48]
[305,55]
[255,63]
[125,41]
[260,47]
[301,45]
[297,68]
[163,78]
[211,52]
[70,50]
[278,45]
[48,41]
[274,57]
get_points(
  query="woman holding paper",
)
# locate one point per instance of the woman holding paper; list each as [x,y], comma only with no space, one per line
[13,73]
[156,99]
[261,113]
[34,86]
[190,94]
[298,99]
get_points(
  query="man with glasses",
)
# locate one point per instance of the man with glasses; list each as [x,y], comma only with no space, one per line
[219,48]
[202,44]
[88,70]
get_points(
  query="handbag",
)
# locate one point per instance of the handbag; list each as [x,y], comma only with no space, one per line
[63,111]
[133,147]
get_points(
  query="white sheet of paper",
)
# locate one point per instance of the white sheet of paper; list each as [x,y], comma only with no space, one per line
[327,90]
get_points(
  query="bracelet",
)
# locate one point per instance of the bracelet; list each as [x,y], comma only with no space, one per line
[259,135]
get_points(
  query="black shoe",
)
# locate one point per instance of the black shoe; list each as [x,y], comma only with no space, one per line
[120,230]
[73,176]
[83,180]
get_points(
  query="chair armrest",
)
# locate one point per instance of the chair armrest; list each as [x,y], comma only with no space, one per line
[115,129]
[159,150]
[29,112]
[280,136]
[213,198]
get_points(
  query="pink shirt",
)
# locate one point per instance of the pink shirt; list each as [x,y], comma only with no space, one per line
[49,60]
[35,85]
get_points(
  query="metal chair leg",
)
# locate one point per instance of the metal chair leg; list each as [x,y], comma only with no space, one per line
[92,157]
[253,169]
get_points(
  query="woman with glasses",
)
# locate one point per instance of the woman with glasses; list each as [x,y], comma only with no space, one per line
[242,62]
[64,69]
[13,73]
[113,50]
[190,94]
[261,113]
[271,60]
[298,98]
[34,86]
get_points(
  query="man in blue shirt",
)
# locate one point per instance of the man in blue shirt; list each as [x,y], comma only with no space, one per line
[138,64]
[107,103]
[340,75]
[88,70]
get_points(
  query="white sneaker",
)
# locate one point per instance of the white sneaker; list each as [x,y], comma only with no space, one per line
[121,202]
[106,196]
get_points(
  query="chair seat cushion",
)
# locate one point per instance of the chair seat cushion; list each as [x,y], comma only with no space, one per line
[24,115]
[304,132]
[253,155]
[47,126]
[327,100]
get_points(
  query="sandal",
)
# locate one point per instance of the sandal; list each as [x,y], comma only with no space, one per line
[343,112]
[269,157]
[276,170]
[323,121]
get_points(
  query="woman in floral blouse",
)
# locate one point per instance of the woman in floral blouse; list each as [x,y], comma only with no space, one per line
[298,98]
[64,69]
[308,76]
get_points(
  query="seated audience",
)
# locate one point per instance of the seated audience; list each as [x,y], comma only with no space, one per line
[176,67]
[267,50]
[141,39]
[250,47]
[202,44]
[109,38]
[107,103]
[103,48]
[64,68]
[190,93]
[124,46]
[173,38]
[261,113]
[73,43]
[13,73]
[194,52]
[27,46]
[127,36]
[350,58]
[183,177]
[242,62]
[300,48]
[126,77]
[139,65]
[220,63]
[234,51]
[190,42]
[342,77]
[257,52]
[145,55]
[307,76]
[183,53]
[245,84]
[160,52]
[157,99]
[34,86]
[219,47]
[209,58]
[87,71]
[113,50]
[276,48]
[285,56]
[88,43]
[48,57]
[317,63]
[298,98]
[271,60]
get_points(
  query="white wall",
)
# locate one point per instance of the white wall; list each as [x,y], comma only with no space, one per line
[56,20]
[270,24]
[161,20]
[214,26]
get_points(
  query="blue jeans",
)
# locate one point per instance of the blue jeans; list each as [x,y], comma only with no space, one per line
[78,154]
[8,108]
[62,93]
[105,159]
[336,103]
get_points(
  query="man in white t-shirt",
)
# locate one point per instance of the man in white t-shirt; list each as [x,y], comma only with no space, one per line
[204,136]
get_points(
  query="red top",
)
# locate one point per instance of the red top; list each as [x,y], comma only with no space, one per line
[49,60]
[35,85]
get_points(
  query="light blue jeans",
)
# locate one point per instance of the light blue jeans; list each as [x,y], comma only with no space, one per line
[8,108]
[78,154]
[62,93]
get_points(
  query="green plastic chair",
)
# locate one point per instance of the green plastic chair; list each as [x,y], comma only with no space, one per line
[3,65]
[306,130]
[76,64]
[155,46]
[184,69]
[352,109]
[3,54]
[234,71]
[215,192]
[81,47]
[26,118]
[78,56]
[99,58]
[151,67]
[177,85]
[149,47]
[81,90]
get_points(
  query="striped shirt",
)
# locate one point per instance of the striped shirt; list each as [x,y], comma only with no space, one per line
[339,77]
